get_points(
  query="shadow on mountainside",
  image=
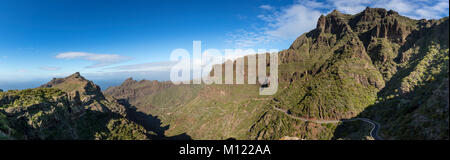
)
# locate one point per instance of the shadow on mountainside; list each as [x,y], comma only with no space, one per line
[402,117]
[354,130]
[150,123]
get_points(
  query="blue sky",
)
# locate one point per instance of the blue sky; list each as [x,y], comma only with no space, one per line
[104,39]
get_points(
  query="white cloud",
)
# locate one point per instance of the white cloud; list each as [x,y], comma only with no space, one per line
[292,22]
[241,17]
[49,68]
[350,6]
[246,39]
[100,60]
[22,71]
[433,11]
[400,6]
[279,24]
[266,7]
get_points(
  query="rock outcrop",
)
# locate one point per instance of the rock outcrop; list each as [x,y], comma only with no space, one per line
[132,90]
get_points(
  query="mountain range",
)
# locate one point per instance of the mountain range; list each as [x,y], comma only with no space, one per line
[348,76]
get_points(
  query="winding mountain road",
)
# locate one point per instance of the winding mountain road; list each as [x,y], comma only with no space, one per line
[373,132]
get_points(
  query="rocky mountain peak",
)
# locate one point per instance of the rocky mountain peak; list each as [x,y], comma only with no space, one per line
[335,13]
[129,81]
[76,84]
[334,23]
[75,75]
[374,14]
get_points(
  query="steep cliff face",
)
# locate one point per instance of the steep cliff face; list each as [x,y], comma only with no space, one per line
[67,108]
[375,62]
[333,75]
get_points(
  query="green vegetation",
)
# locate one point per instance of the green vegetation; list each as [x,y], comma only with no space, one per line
[418,99]
[122,129]
[4,127]
[29,97]
[275,125]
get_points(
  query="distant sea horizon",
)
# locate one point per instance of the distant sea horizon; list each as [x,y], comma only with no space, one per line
[5,86]
[103,83]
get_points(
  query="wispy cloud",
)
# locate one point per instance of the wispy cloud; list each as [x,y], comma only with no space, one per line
[432,11]
[49,68]
[291,21]
[350,7]
[241,17]
[246,39]
[277,24]
[266,7]
[2,58]
[155,66]
[288,22]
[100,60]
[22,71]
